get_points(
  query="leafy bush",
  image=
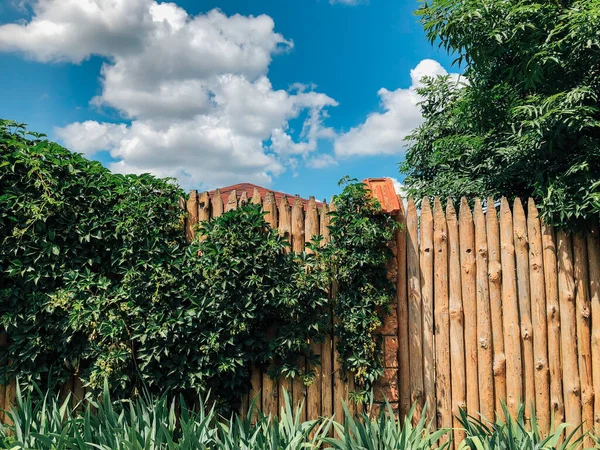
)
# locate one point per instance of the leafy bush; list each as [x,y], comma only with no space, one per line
[527,123]
[98,280]
[357,257]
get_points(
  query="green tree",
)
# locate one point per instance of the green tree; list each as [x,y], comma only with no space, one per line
[525,119]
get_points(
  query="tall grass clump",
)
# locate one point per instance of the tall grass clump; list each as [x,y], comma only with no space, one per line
[520,433]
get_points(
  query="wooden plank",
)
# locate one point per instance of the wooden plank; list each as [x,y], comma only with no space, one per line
[3,343]
[584,334]
[524,296]
[313,394]
[485,354]
[443,392]
[9,400]
[285,229]
[203,207]
[298,247]
[426,266]
[311,223]
[458,379]
[539,324]
[243,199]
[78,393]
[256,388]
[191,207]
[285,220]
[231,201]
[217,204]
[495,287]
[512,330]
[593,246]
[327,346]
[415,326]
[256,198]
[557,405]
[402,296]
[469,293]
[270,208]
[568,319]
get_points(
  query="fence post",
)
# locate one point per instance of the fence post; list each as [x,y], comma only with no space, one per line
[538,303]
[402,309]
[553,320]
[566,296]
[415,328]
[443,392]
[484,320]
[594,264]
[469,280]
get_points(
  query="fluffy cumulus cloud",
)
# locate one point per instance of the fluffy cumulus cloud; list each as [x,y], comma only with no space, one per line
[193,89]
[384,132]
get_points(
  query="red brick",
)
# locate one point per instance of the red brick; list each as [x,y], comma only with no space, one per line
[386,387]
[390,325]
[390,351]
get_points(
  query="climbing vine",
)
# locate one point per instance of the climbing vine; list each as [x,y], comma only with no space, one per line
[357,256]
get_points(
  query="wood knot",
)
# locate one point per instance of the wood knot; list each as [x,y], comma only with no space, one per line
[552,311]
[484,343]
[585,312]
[540,364]
[526,334]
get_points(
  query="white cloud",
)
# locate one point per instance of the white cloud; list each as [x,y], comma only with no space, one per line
[347,2]
[384,132]
[194,88]
[321,161]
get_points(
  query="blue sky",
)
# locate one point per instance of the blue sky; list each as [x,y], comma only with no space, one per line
[289,94]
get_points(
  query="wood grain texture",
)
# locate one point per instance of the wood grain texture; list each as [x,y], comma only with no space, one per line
[512,329]
[415,327]
[457,340]
[485,354]
[495,287]
[402,309]
[568,322]
[427,284]
[539,323]
[593,247]
[469,294]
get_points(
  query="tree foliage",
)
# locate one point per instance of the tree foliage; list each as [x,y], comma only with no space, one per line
[524,121]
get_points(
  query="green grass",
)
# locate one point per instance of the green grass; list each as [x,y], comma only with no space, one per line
[148,424]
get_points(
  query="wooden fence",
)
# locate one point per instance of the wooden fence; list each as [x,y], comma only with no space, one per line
[492,306]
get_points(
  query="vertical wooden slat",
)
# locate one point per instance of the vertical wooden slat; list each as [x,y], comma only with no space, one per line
[524,296]
[256,198]
[484,317]
[270,208]
[568,322]
[539,325]
[270,386]
[298,247]
[285,230]
[217,204]
[426,266]
[313,399]
[231,201]
[327,354]
[457,339]
[243,199]
[469,293]
[402,293]
[443,393]
[78,393]
[9,400]
[495,287]
[285,220]
[584,334]
[203,207]
[256,388]
[594,266]
[191,208]
[415,328]
[512,333]
[553,320]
